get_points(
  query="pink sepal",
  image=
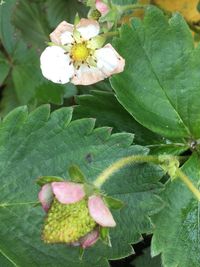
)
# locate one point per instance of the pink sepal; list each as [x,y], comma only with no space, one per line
[89,239]
[68,192]
[100,212]
[46,196]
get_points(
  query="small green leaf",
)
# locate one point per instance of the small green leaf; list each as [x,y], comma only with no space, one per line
[76,174]
[113,203]
[42,180]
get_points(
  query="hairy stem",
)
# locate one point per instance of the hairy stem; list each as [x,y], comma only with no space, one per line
[105,175]
[131,7]
[184,178]
[116,166]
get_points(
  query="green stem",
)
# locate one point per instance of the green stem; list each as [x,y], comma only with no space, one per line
[184,178]
[105,175]
[109,34]
[131,7]
[116,166]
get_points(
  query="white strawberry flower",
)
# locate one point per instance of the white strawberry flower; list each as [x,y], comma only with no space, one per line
[76,55]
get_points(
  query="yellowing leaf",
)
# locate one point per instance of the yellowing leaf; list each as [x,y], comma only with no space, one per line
[136,13]
[188,8]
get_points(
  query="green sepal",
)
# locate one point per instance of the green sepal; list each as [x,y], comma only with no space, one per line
[170,165]
[81,253]
[94,14]
[76,174]
[90,189]
[50,44]
[42,180]
[76,19]
[114,203]
[96,42]
[77,35]
[105,236]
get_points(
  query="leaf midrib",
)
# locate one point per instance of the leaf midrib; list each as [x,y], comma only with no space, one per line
[8,258]
[159,82]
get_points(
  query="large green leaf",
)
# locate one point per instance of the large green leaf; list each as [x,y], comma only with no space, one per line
[26,73]
[162,70]
[145,260]
[106,109]
[30,19]
[177,229]
[7,31]
[37,144]
[60,10]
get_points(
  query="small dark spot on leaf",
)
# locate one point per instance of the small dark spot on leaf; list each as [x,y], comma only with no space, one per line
[88,158]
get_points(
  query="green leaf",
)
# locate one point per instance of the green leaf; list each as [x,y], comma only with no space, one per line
[145,260]
[4,67]
[106,109]
[5,262]
[76,174]
[26,74]
[176,233]
[60,10]
[170,149]
[9,99]
[7,31]
[30,19]
[42,180]
[105,236]
[113,203]
[162,70]
[40,144]
[48,92]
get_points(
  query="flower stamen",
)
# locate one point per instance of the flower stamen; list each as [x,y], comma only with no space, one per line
[80,52]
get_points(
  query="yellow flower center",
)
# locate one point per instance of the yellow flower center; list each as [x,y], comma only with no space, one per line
[80,52]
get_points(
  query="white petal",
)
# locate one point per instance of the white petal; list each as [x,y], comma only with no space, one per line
[86,75]
[66,38]
[109,61]
[88,28]
[63,27]
[55,65]
[106,59]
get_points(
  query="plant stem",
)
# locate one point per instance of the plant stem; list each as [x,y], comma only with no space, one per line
[104,176]
[116,166]
[188,183]
[109,34]
[131,7]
